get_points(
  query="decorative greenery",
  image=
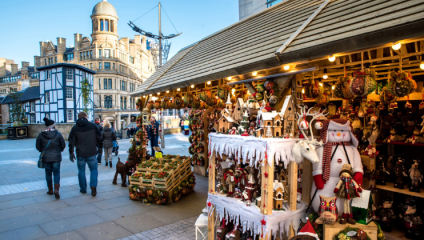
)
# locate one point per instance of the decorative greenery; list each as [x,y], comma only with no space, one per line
[85,91]
[343,234]
[17,114]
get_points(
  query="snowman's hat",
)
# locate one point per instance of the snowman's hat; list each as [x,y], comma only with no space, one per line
[308,230]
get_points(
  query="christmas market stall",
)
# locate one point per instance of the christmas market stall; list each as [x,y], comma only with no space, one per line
[307,120]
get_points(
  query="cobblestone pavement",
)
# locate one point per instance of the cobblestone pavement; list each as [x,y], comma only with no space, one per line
[27,212]
[180,230]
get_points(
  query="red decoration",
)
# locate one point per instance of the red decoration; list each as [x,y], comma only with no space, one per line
[266,174]
[263,222]
[209,204]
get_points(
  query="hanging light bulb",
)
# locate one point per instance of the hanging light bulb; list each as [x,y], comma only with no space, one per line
[333,87]
[167,91]
[216,97]
[150,95]
[303,90]
[325,76]
[320,84]
[233,90]
[396,45]
[229,78]
[286,67]
[422,65]
[192,86]
[254,73]
[178,89]
[331,58]
[209,82]
[158,93]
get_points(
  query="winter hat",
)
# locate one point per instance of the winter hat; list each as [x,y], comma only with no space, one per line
[308,230]
[346,168]
[49,123]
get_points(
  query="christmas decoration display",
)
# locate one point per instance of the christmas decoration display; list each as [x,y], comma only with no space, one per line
[401,83]
[339,148]
[362,83]
[416,177]
[328,211]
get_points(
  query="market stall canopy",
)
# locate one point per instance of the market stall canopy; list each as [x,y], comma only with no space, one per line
[314,28]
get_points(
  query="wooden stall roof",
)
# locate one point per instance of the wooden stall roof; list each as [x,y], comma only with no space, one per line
[252,43]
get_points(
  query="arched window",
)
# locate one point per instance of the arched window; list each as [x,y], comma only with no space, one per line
[108,101]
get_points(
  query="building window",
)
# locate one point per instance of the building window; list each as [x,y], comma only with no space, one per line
[113,65]
[101,25]
[109,83]
[122,103]
[46,97]
[47,115]
[55,60]
[108,101]
[80,56]
[49,74]
[69,93]
[100,65]
[45,61]
[100,83]
[91,54]
[105,83]
[131,60]
[100,101]
[123,86]
[106,25]
[271,3]
[107,65]
[125,102]
[32,106]
[69,74]
[70,115]
[100,53]
[32,118]
[107,53]
[91,66]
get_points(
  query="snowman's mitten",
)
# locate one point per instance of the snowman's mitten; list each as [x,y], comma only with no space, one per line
[358,177]
[336,190]
[359,189]
[319,182]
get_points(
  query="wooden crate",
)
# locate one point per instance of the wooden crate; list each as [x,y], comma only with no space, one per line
[331,231]
[163,184]
[151,170]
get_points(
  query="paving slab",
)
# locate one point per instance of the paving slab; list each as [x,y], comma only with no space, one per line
[73,211]
[86,198]
[9,197]
[47,206]
[124,211]
[113,203]
[24,233]
[72,235]
[13,212]
[17,203]
[138,223]
[24,221]
[72,223]
[104,231]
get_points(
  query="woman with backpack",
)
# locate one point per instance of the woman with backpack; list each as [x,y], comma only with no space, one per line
[50,142]
[108,137]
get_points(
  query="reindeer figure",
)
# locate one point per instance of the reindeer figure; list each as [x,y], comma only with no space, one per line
[123,169]
[306,148]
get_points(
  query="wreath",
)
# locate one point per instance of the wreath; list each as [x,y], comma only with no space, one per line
[342,235]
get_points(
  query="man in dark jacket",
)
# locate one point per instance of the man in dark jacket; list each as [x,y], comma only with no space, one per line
[52,154]
[86,137]
[99,149]
[128,132]
[153,134]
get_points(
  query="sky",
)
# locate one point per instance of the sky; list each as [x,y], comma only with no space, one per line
[24,23]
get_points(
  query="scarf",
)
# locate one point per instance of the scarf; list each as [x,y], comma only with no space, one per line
[349,183]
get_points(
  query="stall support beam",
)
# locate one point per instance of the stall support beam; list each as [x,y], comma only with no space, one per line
[293,168]
[211,225]
[212,173]
[267,186]
[307,181]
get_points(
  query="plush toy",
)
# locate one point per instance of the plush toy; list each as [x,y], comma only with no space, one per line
[413,222]
[400,173]
[416,177]
[416,138]
[386,215]
[381,175]
[340,147]
[347,189]
[327,210]
[394,137]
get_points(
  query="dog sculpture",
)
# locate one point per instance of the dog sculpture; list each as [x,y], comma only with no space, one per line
[123,169]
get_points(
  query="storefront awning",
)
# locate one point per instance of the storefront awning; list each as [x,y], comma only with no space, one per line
[253,43]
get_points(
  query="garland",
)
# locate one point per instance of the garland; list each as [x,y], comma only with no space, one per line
[85,91]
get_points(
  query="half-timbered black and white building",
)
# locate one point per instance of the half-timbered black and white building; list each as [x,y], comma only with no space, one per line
[60,92]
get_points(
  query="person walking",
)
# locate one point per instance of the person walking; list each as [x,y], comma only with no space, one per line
[108,136]
[52,143]
[99,150]
[153,134]
[86,138]
[128,133]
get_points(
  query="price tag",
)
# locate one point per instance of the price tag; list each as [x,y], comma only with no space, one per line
[158,154]
[232,178]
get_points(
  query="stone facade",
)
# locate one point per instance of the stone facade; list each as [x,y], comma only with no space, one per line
[122,64]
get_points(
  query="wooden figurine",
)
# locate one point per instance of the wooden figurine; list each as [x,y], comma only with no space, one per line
[416,177]
[231,181]
[238,110]
[347,189]
[279,195]
[400,173]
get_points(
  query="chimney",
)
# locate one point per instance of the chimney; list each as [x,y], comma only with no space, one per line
[143,43]
[14,68]
[25,64]
[137,39]
[61,45]
[42,51]
[77,40]
[3,70]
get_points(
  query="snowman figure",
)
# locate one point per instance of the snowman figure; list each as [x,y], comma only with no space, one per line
[333,155]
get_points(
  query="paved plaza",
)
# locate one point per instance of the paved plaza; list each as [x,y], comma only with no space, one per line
[27,212]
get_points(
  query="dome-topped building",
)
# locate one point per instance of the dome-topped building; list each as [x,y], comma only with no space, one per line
[105,22]
[104,8]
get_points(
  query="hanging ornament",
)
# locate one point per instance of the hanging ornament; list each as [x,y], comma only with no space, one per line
[401,83]
[188,99]
[322,99]
[177,102]
[150,105]
[196,103]
[363,83]
[386,97]
[260,88]
[318,125]
[205,94]
[273,99]
[156,104]
[269,85]
[223,91]
[313,89]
